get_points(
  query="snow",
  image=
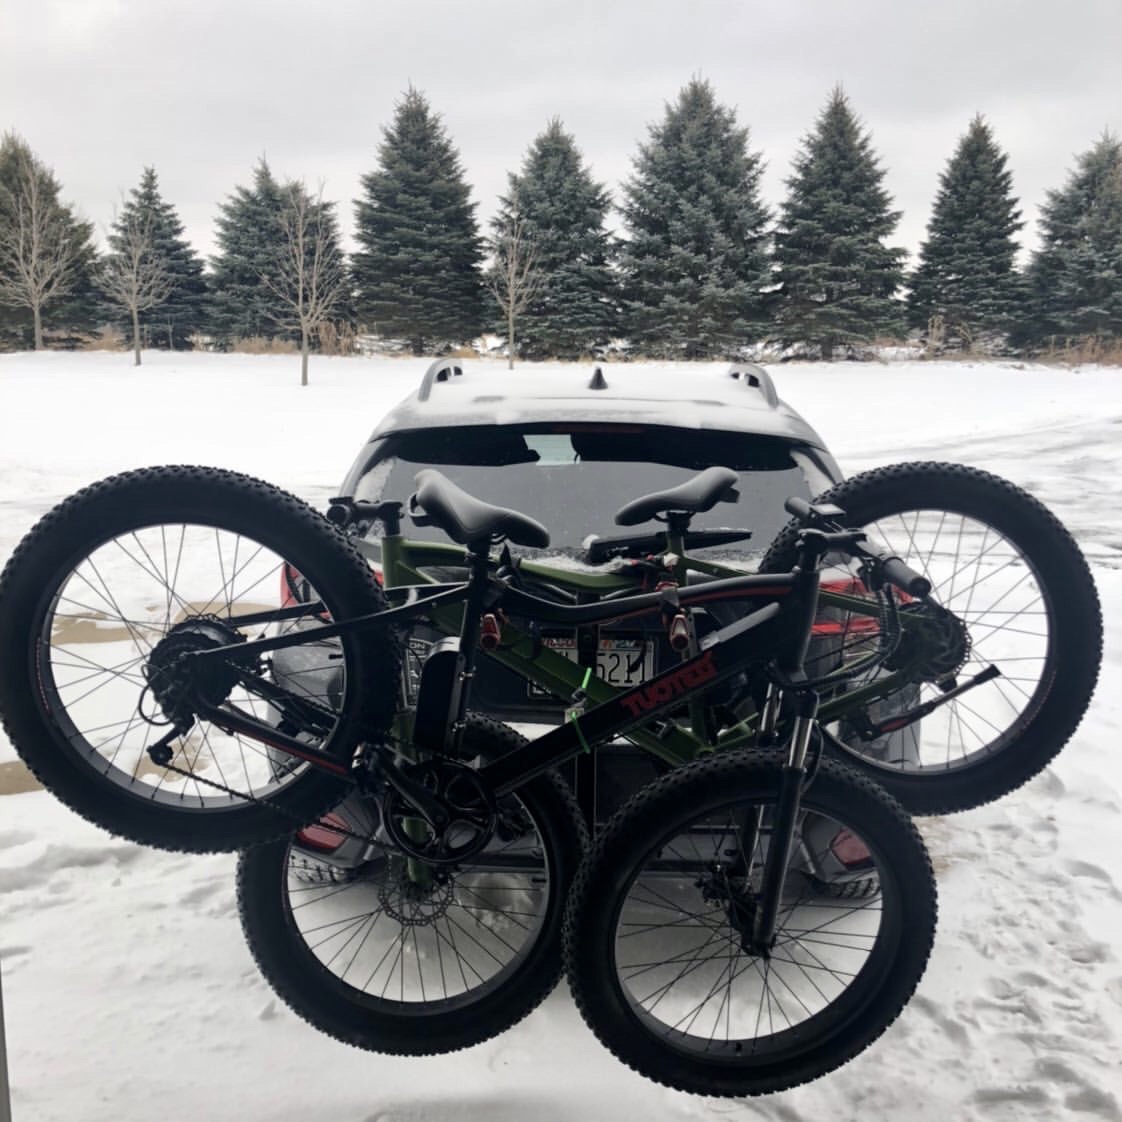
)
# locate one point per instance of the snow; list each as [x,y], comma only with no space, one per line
[129,993]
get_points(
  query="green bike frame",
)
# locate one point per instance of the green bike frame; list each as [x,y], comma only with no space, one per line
[404,563]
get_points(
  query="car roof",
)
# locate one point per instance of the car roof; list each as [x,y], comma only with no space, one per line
[739,399]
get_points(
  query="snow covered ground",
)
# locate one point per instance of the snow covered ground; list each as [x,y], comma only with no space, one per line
[129,993]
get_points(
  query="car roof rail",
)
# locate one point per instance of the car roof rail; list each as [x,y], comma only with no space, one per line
[757,378]
[442,370]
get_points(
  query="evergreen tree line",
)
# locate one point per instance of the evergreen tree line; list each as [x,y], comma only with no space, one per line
[702,269]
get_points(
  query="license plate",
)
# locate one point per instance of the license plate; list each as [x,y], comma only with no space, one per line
[619,662]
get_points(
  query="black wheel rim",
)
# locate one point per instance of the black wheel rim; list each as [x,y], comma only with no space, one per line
[988,583]
[410,940]
[680,961]
[107,611]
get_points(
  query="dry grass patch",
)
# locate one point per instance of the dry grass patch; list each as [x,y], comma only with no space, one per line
[107,339]
[337,339]
[258,345]
[1083,352]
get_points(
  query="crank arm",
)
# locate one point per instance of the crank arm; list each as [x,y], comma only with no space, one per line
[869,730]
[431,808]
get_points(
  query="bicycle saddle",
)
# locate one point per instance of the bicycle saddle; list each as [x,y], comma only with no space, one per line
[466,519]
[706,489]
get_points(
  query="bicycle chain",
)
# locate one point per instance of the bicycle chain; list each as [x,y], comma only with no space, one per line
[299,820]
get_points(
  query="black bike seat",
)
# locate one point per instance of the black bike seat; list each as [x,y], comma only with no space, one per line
[468,520]
[704,491]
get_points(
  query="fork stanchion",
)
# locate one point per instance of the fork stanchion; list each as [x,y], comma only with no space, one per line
[5,1088]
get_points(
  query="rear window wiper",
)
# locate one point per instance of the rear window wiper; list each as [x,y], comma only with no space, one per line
[598,550]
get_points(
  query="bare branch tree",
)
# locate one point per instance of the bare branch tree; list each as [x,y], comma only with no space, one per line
[132,276]
[309,278]
[38,250]
[514,279]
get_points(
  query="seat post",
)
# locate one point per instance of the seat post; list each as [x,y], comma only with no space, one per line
[478,559]
[677,526]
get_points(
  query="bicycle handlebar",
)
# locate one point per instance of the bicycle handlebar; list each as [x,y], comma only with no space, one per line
[901,575]
[826,518]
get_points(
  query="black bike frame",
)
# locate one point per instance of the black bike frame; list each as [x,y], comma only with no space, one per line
[777,631]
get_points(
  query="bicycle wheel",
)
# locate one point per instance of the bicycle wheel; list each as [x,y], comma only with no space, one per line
[391,957]
[659,917]
[1019,596]
[103,595]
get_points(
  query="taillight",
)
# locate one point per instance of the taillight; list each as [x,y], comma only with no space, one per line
[294,588]
[321,836]
[850,850]
[852,624]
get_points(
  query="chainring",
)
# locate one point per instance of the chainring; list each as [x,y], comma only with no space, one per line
[472,814]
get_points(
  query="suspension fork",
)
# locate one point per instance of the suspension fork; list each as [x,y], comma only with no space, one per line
[812,547]
[786,819]
[477,599]
[753,820]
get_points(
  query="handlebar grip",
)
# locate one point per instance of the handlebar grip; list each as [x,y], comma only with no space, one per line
[905,578]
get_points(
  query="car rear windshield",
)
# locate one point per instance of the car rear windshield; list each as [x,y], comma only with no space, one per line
[573,478]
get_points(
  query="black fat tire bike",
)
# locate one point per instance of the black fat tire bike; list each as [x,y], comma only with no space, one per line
[120,581]
[165,724]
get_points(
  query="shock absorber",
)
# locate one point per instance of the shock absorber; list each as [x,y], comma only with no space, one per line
[786,818]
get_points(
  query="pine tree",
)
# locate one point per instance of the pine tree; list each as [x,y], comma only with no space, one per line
[837,277]
[1076,276]
[183,314]
[695,265]
[248,239]
[47,255]
[417,275]
[966,276]
[562,212]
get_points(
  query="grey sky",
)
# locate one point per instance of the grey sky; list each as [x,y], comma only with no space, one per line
[200,89]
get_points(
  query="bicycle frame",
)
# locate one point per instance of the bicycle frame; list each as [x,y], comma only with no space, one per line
[776,633]
[403,563]
[776,628]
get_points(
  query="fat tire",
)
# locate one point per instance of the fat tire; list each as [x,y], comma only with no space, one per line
[1076,621]
[235,502]
[314,993]
[651,816]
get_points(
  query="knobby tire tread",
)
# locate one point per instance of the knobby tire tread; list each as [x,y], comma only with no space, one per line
[1067,578]
[70,529]
[645,813]
[260,888]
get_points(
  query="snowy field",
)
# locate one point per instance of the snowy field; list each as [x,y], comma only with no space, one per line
[129,994]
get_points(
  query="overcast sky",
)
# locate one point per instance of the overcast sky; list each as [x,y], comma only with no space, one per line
[201,89]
